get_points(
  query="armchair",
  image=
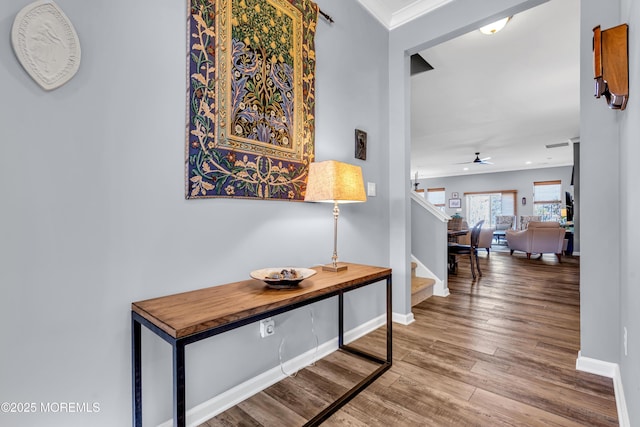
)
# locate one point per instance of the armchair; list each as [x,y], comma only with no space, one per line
[505,222]
[485,239]
[539,237]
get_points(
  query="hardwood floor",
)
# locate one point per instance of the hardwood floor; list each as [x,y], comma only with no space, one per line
[498,352]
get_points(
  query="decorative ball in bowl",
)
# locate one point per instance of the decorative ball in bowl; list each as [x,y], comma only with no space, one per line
[282,277]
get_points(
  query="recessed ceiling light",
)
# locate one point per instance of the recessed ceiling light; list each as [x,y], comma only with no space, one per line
[465,169]
[528,162]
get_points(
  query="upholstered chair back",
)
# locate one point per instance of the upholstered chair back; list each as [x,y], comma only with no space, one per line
[544,224]
[505,222]
[526,219]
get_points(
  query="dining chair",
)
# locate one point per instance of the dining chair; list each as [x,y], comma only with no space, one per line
[456,249]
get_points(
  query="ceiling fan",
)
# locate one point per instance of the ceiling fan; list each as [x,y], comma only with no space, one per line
[479,161]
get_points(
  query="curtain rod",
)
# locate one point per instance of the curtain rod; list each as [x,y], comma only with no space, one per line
[325,16]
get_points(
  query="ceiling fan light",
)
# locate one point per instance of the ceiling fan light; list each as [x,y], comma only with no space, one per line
[494,27]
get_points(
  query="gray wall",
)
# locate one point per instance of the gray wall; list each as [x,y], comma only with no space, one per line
[599,193]
[429,240]
[522,181]
[609,202]
[94,217]
[629,208]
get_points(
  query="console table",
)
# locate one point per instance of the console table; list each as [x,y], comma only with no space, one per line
[188,317]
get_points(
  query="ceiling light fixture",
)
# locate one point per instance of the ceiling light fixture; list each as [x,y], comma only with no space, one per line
[494,27]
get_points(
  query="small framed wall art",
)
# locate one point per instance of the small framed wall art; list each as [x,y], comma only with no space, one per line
[361,145]
[455,203]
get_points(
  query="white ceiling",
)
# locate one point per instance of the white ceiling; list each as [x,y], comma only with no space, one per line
[506,96]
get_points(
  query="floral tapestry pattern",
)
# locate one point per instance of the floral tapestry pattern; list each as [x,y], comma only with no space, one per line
[251,98]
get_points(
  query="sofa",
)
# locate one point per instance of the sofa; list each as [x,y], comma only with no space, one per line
[540,237]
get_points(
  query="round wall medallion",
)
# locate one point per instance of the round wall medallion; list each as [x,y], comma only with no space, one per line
[46,44]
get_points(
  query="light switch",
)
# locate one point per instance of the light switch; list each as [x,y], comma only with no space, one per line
[371,189]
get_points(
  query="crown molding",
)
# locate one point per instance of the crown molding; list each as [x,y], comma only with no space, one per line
[391,19]
[378,9]
[414,10]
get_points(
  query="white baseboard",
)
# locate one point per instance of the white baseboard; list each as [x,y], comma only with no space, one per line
[595,366]
[212,407]
[609,370]
[443,293]
[403,319]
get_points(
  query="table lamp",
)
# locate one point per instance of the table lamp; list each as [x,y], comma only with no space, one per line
[335,182]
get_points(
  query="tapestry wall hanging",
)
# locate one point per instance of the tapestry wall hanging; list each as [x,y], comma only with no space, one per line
[251,98]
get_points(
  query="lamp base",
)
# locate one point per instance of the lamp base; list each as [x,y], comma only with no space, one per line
[330,267]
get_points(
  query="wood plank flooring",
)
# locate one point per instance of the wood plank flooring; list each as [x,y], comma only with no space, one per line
[500,351]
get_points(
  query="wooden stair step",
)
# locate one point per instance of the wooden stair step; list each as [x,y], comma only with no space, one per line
[421,289]
[419,283]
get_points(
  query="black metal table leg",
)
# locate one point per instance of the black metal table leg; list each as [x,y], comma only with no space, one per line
[340,320]
[179,405]
[389,321]
[136,367]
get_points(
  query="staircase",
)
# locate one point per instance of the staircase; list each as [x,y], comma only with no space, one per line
[421,287]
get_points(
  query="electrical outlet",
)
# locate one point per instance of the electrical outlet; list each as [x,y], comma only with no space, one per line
[267,327]
[624,340]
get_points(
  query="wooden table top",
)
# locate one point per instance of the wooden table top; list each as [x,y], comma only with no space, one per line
[187,313]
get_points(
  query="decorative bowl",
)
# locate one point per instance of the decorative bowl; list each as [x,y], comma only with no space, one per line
[282,277]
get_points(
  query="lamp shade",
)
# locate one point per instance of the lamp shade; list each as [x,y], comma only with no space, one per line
[333,181]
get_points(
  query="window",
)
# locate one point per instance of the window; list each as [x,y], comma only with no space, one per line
[547,199]
[436,197]
[487,205]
